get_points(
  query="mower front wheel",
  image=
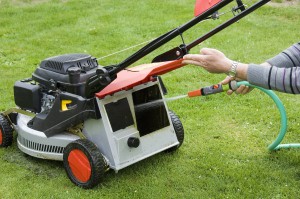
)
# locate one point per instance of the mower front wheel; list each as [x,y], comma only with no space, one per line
[6,132]
[84,163]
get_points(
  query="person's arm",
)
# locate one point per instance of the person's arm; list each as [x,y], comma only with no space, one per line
[287,58]
[282,73]
[285,80]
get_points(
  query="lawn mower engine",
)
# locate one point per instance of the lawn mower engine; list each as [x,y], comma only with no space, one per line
[122,124]
[65,73]
[56,95]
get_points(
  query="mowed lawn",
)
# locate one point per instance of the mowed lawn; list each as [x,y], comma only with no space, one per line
[224,154]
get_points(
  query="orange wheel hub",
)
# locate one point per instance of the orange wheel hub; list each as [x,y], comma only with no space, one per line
[80,165]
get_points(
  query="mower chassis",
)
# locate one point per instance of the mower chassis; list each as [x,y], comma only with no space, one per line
[111,139]
[36,144]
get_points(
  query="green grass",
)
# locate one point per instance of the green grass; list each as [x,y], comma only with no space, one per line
[224,154]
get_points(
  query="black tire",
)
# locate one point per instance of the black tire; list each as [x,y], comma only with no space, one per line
[84,163]
[179,131]
[6,132]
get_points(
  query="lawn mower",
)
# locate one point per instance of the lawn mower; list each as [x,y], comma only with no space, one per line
[95,118]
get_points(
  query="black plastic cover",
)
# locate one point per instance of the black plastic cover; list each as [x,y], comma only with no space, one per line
[57,120]
[62,63]
[27,96]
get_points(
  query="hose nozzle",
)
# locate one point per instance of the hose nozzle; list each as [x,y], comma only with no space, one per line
[216,88]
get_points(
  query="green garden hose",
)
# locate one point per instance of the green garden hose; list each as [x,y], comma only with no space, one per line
[283,119]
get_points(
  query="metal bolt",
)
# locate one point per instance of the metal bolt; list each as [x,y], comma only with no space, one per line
[178,53]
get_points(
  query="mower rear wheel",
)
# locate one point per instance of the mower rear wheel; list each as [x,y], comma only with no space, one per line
[179,131]
[6,132]
[84,163]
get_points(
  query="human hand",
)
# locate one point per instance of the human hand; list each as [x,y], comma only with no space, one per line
[212,60]
[240,90]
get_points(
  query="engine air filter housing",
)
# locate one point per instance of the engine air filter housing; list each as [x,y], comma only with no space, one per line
[62,63]
[67,72]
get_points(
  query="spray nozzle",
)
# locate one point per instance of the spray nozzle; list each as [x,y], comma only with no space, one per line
[213,89]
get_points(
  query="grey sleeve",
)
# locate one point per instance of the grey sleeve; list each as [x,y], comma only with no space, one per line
[258,75]
[287,58]
[283,75]
[285,80]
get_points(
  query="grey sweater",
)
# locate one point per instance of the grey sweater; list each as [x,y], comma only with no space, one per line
[283,75]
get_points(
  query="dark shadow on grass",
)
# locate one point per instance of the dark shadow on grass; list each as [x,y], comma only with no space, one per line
[287,159]
[146,168]
[45,168]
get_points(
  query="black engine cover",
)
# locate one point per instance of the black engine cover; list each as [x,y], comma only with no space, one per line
[62,63]
[67,72]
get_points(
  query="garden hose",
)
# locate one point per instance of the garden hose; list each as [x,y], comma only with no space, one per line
[233,85]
